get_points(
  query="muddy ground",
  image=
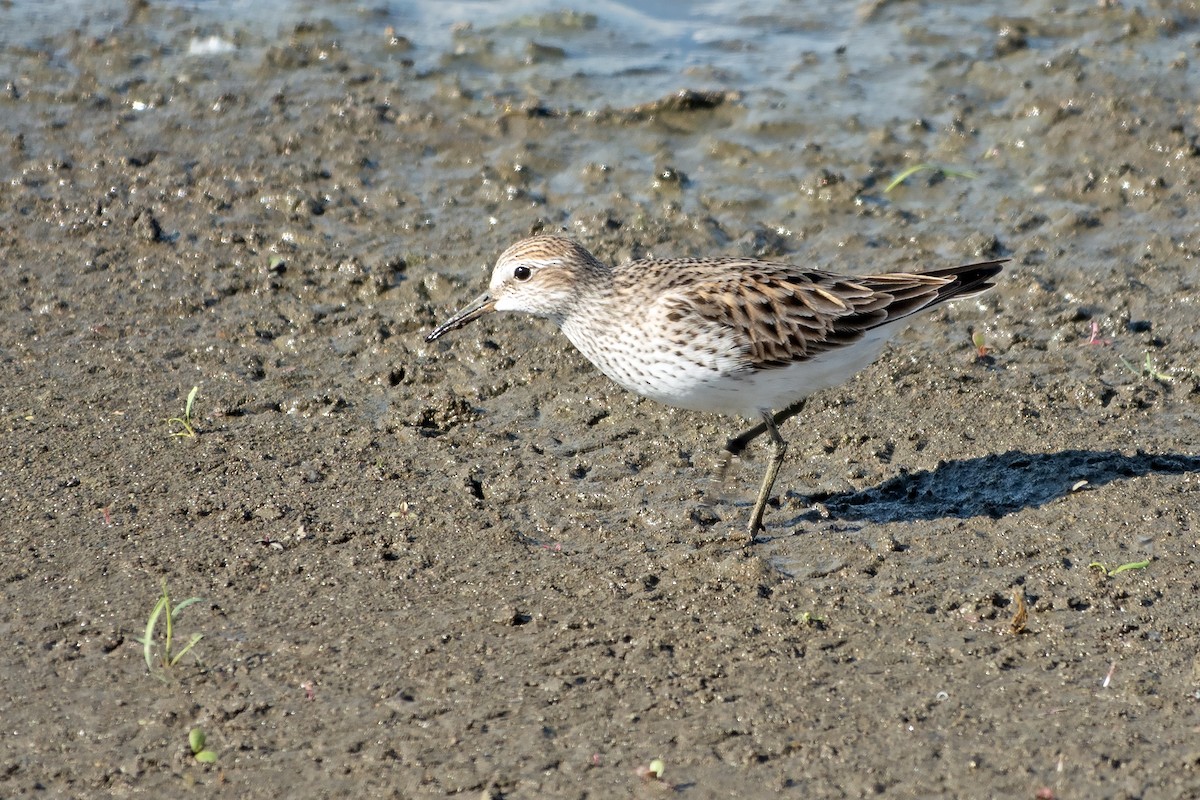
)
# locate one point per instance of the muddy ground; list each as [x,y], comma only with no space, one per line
[477,567]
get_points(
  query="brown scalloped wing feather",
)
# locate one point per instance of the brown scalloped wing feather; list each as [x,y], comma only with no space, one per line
[782,314]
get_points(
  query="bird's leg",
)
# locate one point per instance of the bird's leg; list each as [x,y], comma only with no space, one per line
[791,411]
[779,450]
[738,444]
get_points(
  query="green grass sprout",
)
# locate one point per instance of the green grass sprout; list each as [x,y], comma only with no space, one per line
[196,741]
[168,657]
[187,420]
[1118,570]
[923,167]
[1149,369]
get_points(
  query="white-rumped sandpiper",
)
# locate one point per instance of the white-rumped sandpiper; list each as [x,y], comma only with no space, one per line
[726,335]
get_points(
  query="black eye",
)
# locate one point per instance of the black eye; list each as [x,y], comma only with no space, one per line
[522,273]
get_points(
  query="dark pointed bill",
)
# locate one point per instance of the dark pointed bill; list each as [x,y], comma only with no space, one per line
[477,308]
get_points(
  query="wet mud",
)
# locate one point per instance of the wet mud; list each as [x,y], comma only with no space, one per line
[477,567]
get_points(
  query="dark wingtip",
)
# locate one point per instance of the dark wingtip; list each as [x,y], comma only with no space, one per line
[971,279]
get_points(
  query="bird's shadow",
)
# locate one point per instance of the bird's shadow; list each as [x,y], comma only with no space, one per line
[996,485]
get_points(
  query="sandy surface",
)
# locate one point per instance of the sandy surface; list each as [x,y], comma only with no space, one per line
[477,566]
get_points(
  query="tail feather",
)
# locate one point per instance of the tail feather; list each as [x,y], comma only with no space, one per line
[970,279]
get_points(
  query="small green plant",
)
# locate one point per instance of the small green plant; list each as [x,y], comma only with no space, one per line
[652,771]
[196,741]
[187,420]
[1118,570]
[981,346]
[167,657]
[914,169]
[983,350]
[1149,369]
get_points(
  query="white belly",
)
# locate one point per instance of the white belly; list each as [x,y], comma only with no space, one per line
[700,377]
